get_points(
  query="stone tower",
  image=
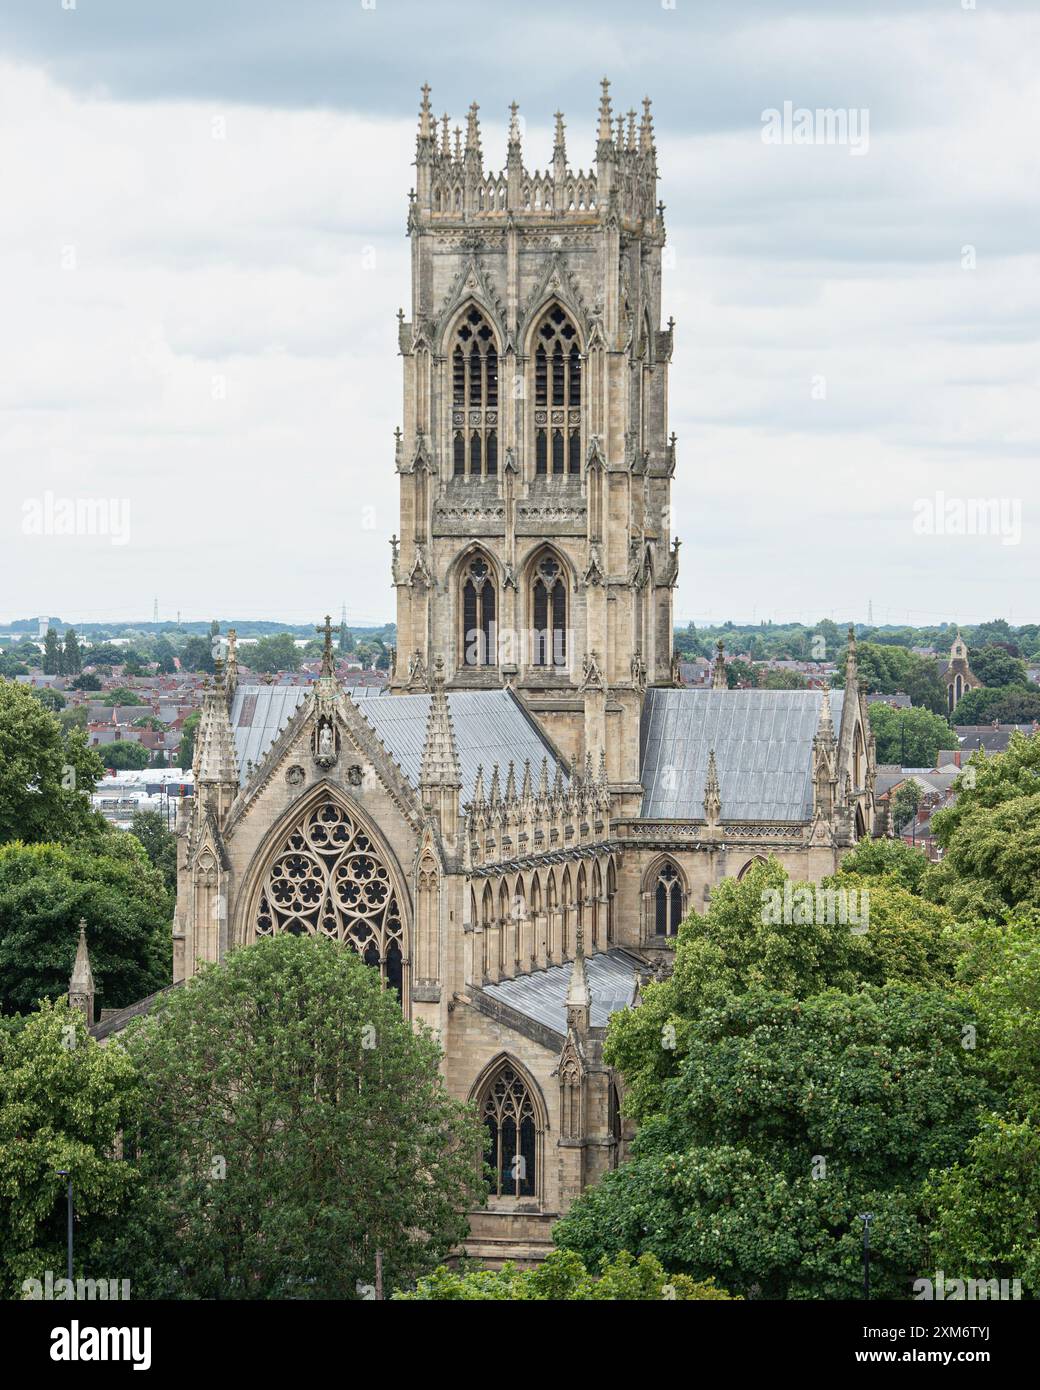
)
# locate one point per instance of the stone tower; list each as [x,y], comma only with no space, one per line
[535,465]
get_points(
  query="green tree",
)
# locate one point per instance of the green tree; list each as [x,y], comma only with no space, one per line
[994,667]
[984,1209]
[278,1167]
[186,747]
[50,699]
[46,774]
[781,679]
[71,657]
[562,1276]
[125,755]
[63,1103]
[52,653]
[196,655]
[905,801]
[123,695]
[740,673]
[910,737]
[991,834]
[159,843]
[1006,705]
[738,945]
[44,892]
[787,1117]
[165,656]
[86,682]
[272,654]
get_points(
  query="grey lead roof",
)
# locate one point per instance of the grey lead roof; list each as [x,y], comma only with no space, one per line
[490,726]
[763,751]
[258,712]
[541,995]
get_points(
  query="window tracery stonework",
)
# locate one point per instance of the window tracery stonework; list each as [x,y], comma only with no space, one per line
[328,878]
[511,1146]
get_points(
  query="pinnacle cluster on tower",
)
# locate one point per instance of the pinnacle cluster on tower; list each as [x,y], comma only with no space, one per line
[506,823]
[451,180]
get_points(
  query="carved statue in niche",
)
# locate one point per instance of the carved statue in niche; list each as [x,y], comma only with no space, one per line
[325,743]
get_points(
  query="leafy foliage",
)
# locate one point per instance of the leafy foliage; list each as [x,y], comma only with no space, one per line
[46,773]
[63,1102]
[562,1276]
[910,737]
[46,889]
[293,1124]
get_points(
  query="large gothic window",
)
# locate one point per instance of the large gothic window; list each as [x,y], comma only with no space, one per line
[668,900]
[557,396]
[511,1146]
[328,878]
[549,610]
[479,629]
[474,397]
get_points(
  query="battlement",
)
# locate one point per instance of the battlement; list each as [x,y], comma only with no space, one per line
[452,184]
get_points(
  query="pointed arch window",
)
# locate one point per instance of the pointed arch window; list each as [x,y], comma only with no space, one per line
[558,379]
[549,608]
[474,398]
[328,878]
[511,1134]
[668,900]
[479,626]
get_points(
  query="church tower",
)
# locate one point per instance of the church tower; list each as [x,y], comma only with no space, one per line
[535,466]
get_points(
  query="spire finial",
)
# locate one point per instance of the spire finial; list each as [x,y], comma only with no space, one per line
[605,134]
[514,127]
[328,661]
[473,132]
[425,114]
[712,791]
[560,145]
[851,668]
[445,136]
[646,129]
[718,675]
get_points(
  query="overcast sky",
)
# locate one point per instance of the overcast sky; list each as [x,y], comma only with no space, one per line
[202,254]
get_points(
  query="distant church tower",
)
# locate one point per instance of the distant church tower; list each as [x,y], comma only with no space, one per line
[535,547]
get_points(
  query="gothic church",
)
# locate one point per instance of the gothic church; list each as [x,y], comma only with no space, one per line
[512,834]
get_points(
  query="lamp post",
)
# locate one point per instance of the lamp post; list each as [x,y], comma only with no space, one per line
[866,1217]
[64,1173]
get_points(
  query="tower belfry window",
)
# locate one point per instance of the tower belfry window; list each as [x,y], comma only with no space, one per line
[549,604]
[557,396]
[474,398]
[479,632]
